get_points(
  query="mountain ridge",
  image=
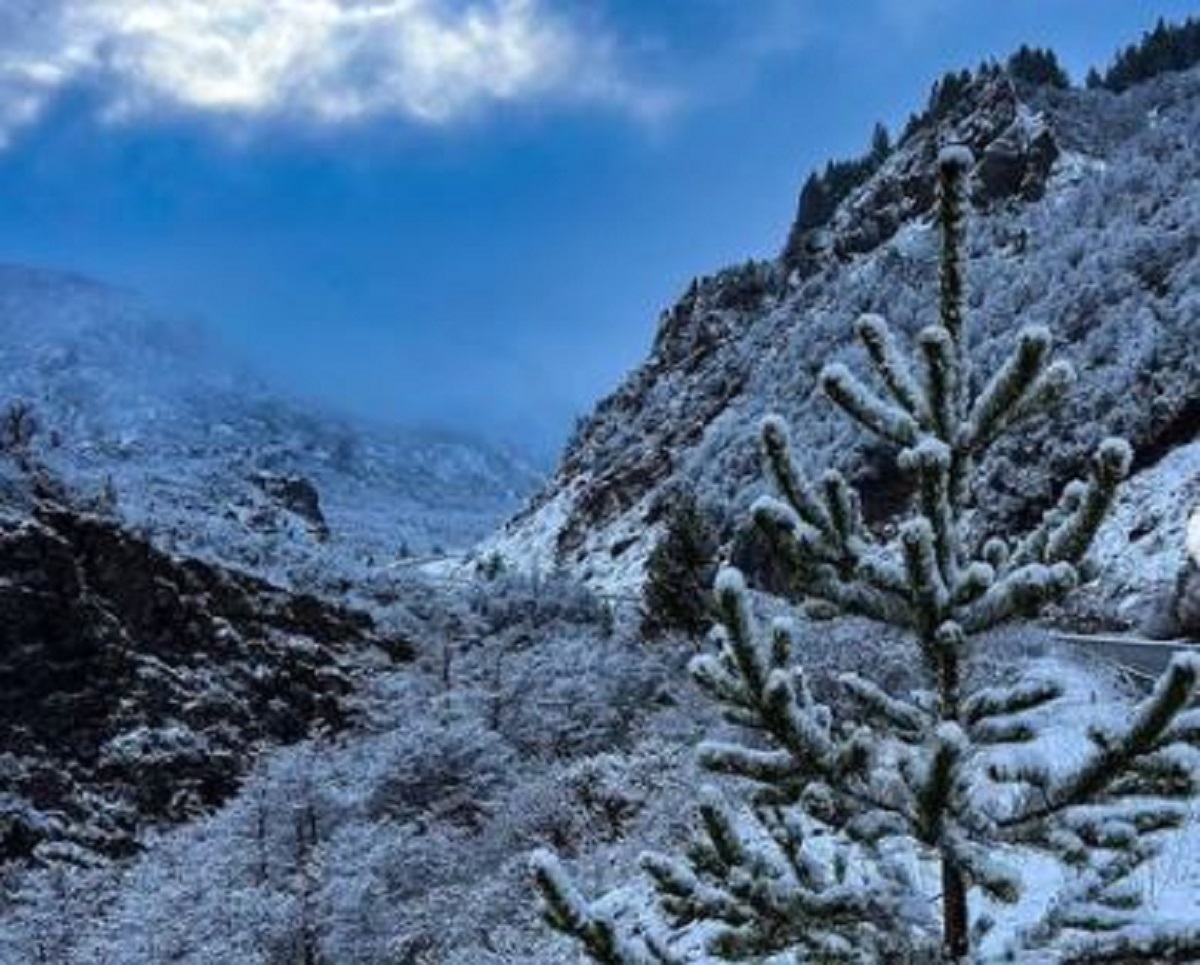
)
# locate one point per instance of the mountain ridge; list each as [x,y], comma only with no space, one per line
[1078,224]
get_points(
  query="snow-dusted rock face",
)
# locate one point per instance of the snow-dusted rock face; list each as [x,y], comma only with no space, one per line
[1187,601]
[1193,536]
[135,686]
[209,459]
[1087,221]
[1015,150]
[1187,596]
[1142,556]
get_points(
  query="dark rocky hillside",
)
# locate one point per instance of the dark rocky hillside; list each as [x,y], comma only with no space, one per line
[134,686]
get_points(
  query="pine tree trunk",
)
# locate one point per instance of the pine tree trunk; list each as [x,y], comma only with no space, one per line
[956,938]
[955,933]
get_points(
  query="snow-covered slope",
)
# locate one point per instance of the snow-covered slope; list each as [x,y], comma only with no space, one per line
[212,460]
[1087,220]
[201,453]
[1143,548]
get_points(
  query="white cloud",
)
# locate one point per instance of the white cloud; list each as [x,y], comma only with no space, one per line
[430,61]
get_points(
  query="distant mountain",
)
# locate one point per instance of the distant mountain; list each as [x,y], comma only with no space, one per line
[1087,220]
[209,459]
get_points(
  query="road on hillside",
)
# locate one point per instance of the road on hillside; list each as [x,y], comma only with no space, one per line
[1138,656]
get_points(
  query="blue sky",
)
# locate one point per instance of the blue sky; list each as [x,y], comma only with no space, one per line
[458,211]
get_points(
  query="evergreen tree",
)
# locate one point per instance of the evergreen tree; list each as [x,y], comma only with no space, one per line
[823,192]
[881,145]
[19,430]
[1187,601]
[948,92]
[679,573]
[1037,66]
[491,567]
[845,801]
[1166,48]
[945,97]
[816,204]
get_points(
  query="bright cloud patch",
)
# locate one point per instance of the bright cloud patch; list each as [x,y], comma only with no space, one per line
[325,60]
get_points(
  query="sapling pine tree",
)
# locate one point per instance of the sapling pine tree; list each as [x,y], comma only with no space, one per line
[850,804]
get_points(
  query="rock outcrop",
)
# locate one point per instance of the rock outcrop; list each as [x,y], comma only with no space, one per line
[1013,143]
[1186,604]
[296,495]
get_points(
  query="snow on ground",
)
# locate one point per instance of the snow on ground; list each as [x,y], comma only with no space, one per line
[531,546]
[616,560]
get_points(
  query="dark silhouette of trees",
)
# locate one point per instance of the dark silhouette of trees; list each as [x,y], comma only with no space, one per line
[1038,66]
[1167,47]
[823,191]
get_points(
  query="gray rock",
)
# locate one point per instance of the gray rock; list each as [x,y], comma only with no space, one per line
[297,495]
[1186,604]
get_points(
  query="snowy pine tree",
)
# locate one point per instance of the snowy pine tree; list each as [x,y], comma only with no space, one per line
[849,803]
[680,570]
